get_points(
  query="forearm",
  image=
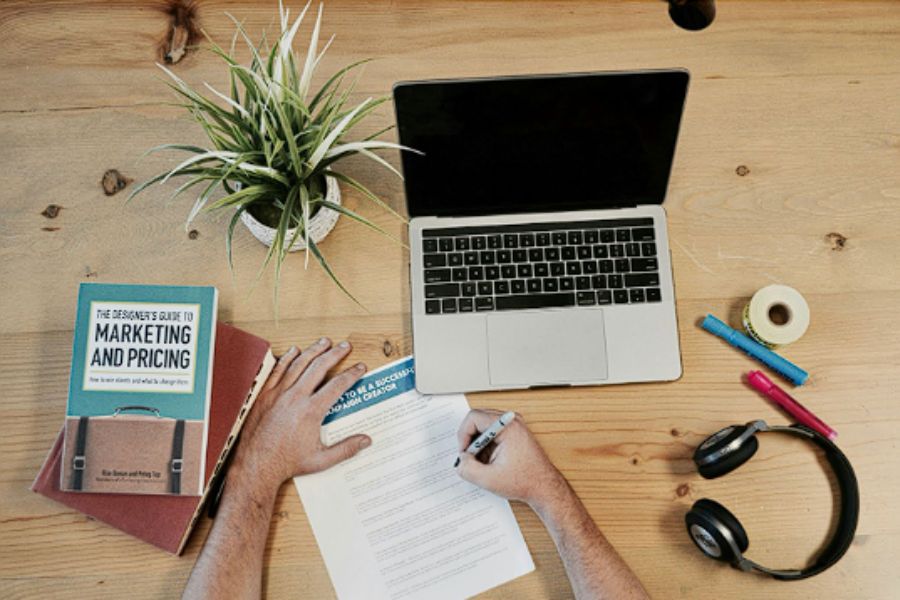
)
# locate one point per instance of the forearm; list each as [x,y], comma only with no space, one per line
[230,565]
[594,567]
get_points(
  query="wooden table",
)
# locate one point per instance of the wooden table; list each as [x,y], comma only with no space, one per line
[787,171]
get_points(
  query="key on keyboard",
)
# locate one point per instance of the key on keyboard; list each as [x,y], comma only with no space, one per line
[540,265]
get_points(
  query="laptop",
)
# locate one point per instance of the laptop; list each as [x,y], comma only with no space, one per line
[538,247]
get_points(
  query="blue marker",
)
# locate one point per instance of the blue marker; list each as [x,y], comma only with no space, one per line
[780,365]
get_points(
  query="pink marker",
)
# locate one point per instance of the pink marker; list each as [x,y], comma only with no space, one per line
[803,415]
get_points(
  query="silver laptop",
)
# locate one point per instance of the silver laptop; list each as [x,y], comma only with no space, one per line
[539,252]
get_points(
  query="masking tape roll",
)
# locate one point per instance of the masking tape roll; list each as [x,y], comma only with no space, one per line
[776,315]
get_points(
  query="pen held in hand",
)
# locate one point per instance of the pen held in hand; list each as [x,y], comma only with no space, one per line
[488,435]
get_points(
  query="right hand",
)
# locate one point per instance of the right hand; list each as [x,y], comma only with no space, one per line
[513,466]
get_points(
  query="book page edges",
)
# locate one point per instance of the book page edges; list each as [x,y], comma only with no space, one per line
[210,361]
[262,375]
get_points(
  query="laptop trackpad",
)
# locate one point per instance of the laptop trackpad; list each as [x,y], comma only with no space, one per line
[548,347]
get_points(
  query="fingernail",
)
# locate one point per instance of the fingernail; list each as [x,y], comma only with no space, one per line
[322,341]
[456,464]
[365,443]
[291,350]
[344,344]
[359,367]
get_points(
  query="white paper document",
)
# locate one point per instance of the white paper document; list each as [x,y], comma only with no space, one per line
[396,521]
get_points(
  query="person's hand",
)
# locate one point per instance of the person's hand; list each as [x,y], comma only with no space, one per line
[513,465]
[282,436]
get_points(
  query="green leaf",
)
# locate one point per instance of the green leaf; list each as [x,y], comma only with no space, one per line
[309,65]
[361,219]
[268,142]
[332,80]
[314,248]
[278,248]
[369,109]
[156,178]
[229,234]
[304,224]
[183,147]
[365,191]
[378,133]
[243,196]
[190,183]
[239,26]
[323,147]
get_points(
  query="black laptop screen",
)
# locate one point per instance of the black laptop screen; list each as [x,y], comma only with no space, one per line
[538,144]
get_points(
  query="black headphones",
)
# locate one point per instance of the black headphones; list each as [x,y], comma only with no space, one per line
[719,534]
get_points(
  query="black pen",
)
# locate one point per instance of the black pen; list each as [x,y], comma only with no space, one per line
[218,485]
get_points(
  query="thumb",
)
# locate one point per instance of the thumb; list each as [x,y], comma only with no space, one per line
[473,470]
[343,450]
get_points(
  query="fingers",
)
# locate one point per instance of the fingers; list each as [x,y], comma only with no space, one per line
[302,362]
[342,451]
[314,374]
[337,385]
[474,423]
[474,471]
[284,361]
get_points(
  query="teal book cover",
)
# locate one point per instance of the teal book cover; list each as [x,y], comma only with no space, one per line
[139,389]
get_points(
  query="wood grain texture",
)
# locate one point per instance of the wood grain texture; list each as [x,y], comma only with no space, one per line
[786,171]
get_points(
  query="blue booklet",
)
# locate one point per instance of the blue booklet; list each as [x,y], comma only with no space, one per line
[139,389]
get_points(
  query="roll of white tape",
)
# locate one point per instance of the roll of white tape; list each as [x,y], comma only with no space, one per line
[776,315]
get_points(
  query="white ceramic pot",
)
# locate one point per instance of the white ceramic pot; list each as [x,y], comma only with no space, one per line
[320,225]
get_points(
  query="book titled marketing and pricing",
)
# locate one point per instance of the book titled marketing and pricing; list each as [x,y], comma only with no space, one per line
[139,389]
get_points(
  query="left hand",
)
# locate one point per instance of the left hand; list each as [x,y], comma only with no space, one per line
[282,437]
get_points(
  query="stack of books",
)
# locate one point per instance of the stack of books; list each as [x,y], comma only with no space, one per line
[158,393]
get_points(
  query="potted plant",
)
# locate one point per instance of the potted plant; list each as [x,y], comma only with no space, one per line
[274,145]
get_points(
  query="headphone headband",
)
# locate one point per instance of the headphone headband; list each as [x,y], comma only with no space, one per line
[727,449]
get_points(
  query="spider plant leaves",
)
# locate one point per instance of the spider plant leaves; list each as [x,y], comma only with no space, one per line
[360,219]
[314,248]
[304,213]
[200,202]
[155,179]
[285,43]
[254,51]
[339,74]
[229,236]
[278,248]
[240,109]
[379,133]
[199,158]
[182,147]
[366,111]
[365,148]
[311,54]
[190,183]
[326,143]
[273,138]
[296,163]
[379,160]
[244,196]
[366,192]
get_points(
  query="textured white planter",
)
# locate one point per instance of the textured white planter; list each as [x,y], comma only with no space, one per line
[320,225]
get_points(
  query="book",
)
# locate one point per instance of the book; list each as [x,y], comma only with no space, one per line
[243,363]
[139,389]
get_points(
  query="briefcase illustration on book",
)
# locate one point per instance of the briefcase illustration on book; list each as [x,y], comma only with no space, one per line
[133,452]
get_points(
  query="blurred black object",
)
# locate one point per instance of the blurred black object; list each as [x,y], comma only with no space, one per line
[692,15]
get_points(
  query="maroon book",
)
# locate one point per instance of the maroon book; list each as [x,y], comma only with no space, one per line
[242,364]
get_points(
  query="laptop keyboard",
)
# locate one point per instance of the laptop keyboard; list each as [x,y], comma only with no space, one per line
[540,265]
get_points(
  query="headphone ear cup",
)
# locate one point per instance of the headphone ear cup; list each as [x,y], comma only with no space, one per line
[705,522]
[730,461]
[727,519]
